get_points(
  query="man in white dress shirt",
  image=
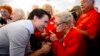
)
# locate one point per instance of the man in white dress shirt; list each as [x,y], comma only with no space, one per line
[15,36]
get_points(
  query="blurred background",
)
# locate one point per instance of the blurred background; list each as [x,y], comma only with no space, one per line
[58,5]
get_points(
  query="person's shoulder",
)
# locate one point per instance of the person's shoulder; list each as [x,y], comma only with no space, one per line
[94,12]
[75,31]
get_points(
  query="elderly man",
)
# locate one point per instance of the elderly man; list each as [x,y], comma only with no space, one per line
[71,43]
[88,24]
[14,37]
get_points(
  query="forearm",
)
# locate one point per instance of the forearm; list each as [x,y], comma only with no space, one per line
[85,34]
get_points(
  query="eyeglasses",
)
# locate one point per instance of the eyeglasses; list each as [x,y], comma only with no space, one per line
[59,24]
[3,12]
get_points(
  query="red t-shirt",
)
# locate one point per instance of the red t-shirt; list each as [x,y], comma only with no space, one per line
[89,22]
[72,45]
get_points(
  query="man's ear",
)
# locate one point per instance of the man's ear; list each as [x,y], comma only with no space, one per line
[35,18]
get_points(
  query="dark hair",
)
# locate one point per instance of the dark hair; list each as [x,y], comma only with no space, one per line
[39,13]
[74,15]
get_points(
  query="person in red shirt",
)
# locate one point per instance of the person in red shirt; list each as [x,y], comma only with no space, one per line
[89,19]
[88,24]
[71,43]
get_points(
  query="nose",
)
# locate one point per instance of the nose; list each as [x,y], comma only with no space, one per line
[81,4]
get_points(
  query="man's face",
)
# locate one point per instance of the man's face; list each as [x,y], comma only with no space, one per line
[4,13]
[85,5]
[41,23]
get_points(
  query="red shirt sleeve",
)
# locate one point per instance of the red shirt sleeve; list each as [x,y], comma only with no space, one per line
[93,25]
[50,26]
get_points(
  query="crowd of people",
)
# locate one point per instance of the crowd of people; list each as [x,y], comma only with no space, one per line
[44,32]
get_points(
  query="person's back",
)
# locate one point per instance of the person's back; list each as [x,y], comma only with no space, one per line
[7,36]
[4,48]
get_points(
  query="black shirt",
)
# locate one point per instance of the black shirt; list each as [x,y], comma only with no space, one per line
[2,21]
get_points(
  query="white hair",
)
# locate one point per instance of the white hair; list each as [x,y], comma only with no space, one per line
[91,1]
[20,12]
[65,16]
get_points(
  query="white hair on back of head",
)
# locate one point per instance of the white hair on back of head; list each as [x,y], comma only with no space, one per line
[20,12]
[65,17]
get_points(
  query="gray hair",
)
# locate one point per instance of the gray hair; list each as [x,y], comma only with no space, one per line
[20,12]
[91,1]
[65,17]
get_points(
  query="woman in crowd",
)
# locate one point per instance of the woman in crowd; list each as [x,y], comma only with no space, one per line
[17,14]
[5,11]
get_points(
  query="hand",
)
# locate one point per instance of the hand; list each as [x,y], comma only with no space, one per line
[53,36]
[46,46]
